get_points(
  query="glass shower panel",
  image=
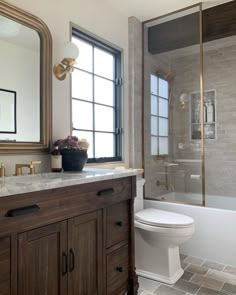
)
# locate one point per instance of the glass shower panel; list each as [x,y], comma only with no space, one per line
[219,55]
[173,102]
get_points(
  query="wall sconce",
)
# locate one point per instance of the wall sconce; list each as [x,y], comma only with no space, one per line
[67,64]
[183,99]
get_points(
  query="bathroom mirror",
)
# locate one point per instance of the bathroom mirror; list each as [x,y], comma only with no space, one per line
[25,87]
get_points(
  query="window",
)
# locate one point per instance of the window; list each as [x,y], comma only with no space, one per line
[96,98]
[159,115]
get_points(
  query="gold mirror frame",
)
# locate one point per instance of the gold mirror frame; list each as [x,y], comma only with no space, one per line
[40,27]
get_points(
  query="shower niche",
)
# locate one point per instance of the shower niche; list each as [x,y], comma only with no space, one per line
[209,115]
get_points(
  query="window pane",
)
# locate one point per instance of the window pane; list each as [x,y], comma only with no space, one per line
[163,107]
[103,64]
[154,141]
[85,58]
[163,127]
[153,85]
[103,91]
[104,145]
[163,145]
[82,114]
[104,118]
[82,86]
[89,137]
[154,105]
[163,88]
[154,125]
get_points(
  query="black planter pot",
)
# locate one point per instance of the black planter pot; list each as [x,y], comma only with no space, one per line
[73,160]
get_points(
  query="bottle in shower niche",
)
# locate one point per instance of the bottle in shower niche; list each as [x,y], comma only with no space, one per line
[210,112]
[56,160]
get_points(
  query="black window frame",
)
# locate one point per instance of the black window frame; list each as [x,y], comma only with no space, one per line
[118,131]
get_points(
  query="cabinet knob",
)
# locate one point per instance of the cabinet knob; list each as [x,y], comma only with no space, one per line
[119,223]
[119,269]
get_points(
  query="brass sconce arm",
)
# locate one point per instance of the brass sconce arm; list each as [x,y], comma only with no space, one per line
[66,66]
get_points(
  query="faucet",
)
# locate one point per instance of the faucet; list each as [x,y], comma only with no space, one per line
[30,166]
[2,170]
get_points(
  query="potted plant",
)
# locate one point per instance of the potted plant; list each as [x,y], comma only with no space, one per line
[74,152]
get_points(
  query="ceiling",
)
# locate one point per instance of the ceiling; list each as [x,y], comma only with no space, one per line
[148,9]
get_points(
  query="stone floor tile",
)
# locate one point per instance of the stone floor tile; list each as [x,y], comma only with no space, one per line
[229,288]
[187,276]
[183,256]
[196,269]
[146,293]
[230,269]
[147,285]
[183,264]
[186,286]
[221,276]
[207,282]
[140,291]
[194,260]
[166,290]
[213,265]
[207,291]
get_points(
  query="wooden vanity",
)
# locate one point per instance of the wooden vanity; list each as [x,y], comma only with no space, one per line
[75,240]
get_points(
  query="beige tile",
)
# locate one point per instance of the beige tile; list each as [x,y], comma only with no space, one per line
[207,291]
[194,260]
[221,276]
[229,288]
[147,285]
[207,282]
[196,269]
[230,269]
[213,265]
[186,286]
[166,290]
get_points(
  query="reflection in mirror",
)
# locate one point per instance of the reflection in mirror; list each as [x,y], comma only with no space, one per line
[7,111]
[20,59]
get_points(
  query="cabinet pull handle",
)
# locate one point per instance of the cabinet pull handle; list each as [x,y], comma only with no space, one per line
[22,211]
[104,192]
[64,264]
[119,223]
[119,269]
[71,261]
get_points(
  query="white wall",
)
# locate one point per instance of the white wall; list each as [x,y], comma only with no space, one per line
[94,16]
[22,77]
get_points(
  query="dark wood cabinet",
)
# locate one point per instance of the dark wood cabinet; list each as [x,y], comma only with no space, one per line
[85,254]
[5,266]
[40,260]
[79,241]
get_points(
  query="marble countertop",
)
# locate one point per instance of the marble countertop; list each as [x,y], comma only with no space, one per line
[13,185]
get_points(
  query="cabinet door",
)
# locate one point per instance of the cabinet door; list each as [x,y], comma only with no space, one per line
[42,261]
[5,266]
[85,254]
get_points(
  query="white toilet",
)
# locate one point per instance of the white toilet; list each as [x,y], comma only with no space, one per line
[158,234]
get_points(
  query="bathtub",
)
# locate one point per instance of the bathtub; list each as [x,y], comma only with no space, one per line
[215,229]
[212,201]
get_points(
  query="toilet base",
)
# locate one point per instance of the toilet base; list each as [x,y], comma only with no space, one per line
[160,278]
[156,257]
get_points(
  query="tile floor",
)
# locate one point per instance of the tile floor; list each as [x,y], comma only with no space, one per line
[201,277]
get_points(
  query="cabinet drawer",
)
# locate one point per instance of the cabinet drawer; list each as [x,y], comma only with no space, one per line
[61,203]
[117,220]
[117,271]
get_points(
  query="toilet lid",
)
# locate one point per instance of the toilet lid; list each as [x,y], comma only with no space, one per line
[163,218]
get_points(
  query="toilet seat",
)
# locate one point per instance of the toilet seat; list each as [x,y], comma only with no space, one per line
[164,219]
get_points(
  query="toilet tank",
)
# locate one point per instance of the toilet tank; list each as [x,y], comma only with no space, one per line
[138,201]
